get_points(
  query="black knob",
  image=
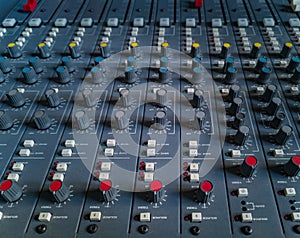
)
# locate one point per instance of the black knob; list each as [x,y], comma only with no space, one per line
[292,167]
[97,75]
[130,75]
[196,62]
[261,63]
[241,136]
[89,97]
[30,76]
[15,98]
[195,51]
[59,191]
[52,97]
[197,75]
[5,121]
[238,120]
[233,93]
[264,75]
[74,50]
[105,49]
[273,106]
[11,191]
[225,50]
[133,47]
[44,51]
[277,120]
[230,75]
[229,62]
[97,60]
[63,75]
[121,120]
[68,62]
[286,50]
[248,166]
[204,191]
[164,75]
[41,120]
[131,61]
[160,120]
[198,99]
[82,121]
[13,51]
[200,120]
[156,193]
[36,64]
[235,106]
[295,79]
[269,93]
[125,97]
[4,66]
[283,134]
[161,98]
[107,191]
[164,48]
[294,63]
[255,50]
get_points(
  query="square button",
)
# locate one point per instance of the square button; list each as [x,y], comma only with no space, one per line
[164,22]
[190,22]
[243,192]
[13,176]
[24,152]
[138,22]
[193,144]
[194,178]
[86,22]
[194,167]
[95,216]
[243,22]
[151,143]
[35,22]
[193,152]
[113,22]
[70,143]
[61,167]
[268,22]
[151,152]
[103,176]
[45,216]
[145,217]
[18,166]
[66,152]
[111,142]
[247,217]
[109,152]
[216,22]
[294,22]
[196,217]
[149,167]
[289,192]
[105,166]
[61,22]
[148,177]
[9,22]
[296,216]
[58,176]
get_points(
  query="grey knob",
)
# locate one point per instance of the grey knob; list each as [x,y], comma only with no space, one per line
[241,135]
[199,120]
[160,120]
[15,98]
[89,97]
[273,106]
[41,120]
[5,121]
[235,106]
[198,98]
[10,190]
[81,120]
[121,120]
[52,97]
[283,134]
[59,191]
[161,98]
[125,97]
[108,192]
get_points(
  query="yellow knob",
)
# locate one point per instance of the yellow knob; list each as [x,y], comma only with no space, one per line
[196,45]
[10,45]
[257,44]
[165,44]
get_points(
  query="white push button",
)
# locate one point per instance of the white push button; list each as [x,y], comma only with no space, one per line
[109,152]
[149,167]
[148,177]
[105,166]
[196,217]
[289,192]
[66,152]
[151,152]
[18,166]
[145,217]
[296,216]
[24,152]
[194,167]
[151,143]
[70,143]
[45,216]
[95,216]
[247,217]
[58,176]
[61,167]
[111,142]
[243,192]
[194,178]
[103,176]
[13,176]
[193,144]
[28,143]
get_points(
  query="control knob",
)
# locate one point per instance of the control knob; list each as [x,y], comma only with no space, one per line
[13,51]
[5,121]
[108,192]
[11,191]
[30,76]
[15,98]
[82,121]
[36,64]
[156,193]
[121,120]
[161,98]
[160,120]
[130,75]
[204,191]
[292,167]
[248,166]
[41,120]
[283,134]
[241,136]
[44,50]
[52,97]
[59,191]
[63,75]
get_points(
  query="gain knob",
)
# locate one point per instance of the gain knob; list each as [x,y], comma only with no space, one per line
[4,66]
[277,120]
[233,93]
[161,98]
[204,191]
[121,120]
[269,93]
[5,121]
[68,62]
[41,120]
[228,64]
[44,50]
[264,75]
[195,51]
[108,192]
[241,136]
[286,50]
[164,48]
[160,120]
[131,61]
[255,50]
[81,120]
[197,75]
[11,191]
[89,97]
[130,75]
[283,134]
[125,97]
[235,106]
[52,97]
[198,99]
[273,106]
[294,63]
[199,120]
[74,50]
[15,98]
[59,191]
[248,166]
[156,193]
[36,64]
[238,120]
[97,75]
[230,75]
[13,51]
[225,50]
[63,75]
[164,62]
[105,49]
[163,75]
[292,167]
[30,76]
[261,63]
[133,47]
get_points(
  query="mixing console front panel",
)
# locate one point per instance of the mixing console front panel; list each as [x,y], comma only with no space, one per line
[148,118]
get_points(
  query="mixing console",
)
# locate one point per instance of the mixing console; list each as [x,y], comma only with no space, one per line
[150,118]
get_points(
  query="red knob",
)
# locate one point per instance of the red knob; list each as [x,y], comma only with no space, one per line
[198,3]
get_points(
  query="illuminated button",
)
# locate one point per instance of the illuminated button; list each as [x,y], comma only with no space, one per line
[35,22]
[18,166]
[268,22]
[294,22]
[216,22]
[194,178]
[151,152]
[148,177]
[247,217]
[13,176]
[111,142]
[109,152]
[95,216]
[196,217]
[105,166]
[295,216]
[103,176]
[9,22]
[190,22]
[190,91]
[113,22]
[61,22]
[151,143]
[45,216]
[243,22]
[70,143]
[164,22]
[194,167]
[289,192]
[138,22]
[242,192]
[58,176]
[86,22]
[66,152]
[145,217]
[149,167]
[278,152]
[28,143]
[24,152]
[62,167]
[193,152]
